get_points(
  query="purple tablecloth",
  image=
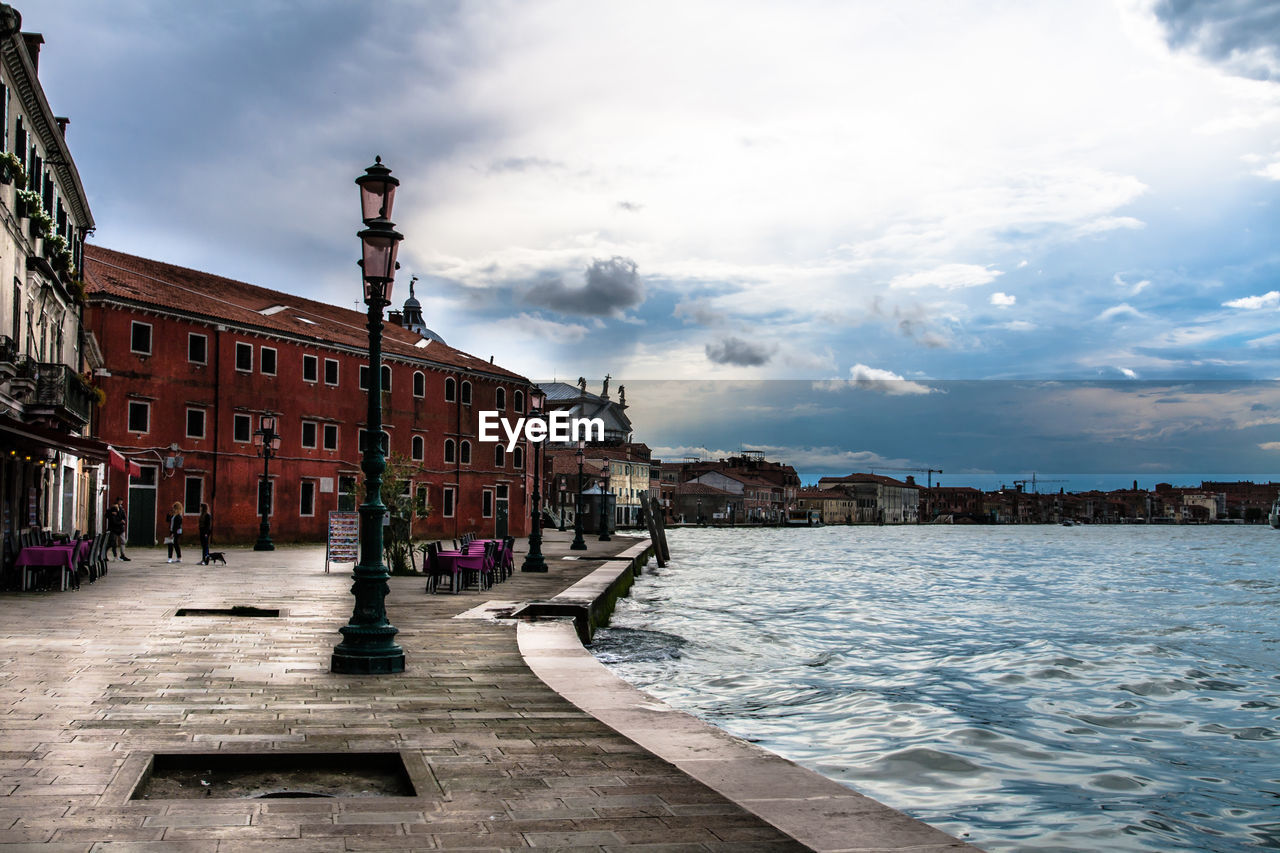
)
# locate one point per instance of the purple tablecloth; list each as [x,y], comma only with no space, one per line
[47,555]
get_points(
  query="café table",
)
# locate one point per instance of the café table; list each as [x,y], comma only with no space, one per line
[33,559]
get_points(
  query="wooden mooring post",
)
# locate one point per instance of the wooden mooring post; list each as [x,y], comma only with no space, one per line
[659,535]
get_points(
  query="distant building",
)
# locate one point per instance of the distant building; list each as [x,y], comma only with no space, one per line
[878,499]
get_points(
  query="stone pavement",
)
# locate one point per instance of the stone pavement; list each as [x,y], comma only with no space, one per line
[90,678]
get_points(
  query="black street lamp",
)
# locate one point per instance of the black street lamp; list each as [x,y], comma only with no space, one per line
[579,544]
[699,511]
[604,514]
[368,644]
[268,444]
[534,561]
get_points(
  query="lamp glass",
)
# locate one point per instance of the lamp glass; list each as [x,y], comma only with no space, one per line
[379,262]
[377,191]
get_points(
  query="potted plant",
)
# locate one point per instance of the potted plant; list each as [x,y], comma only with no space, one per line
[27,202]
[12,169]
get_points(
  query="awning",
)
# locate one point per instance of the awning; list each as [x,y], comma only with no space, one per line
[76,445]
[117,461]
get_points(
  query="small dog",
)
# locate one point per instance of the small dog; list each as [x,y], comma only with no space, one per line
[215,557]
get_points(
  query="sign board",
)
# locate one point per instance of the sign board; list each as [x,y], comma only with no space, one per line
[344,538]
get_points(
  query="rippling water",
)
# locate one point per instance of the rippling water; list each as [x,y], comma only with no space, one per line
[1025,688]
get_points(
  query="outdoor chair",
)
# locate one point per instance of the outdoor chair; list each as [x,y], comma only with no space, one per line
[466,568]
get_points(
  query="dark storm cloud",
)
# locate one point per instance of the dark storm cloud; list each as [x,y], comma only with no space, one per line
[742,353]
[1241,35]
[612,287]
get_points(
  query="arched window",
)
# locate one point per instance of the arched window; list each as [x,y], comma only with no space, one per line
[518,401]
[517,458]
[450,390]
[448,450]
[419,384]
[500,399]
[499,456]
[464,453]
[386,377]
[466,393]
[419,450]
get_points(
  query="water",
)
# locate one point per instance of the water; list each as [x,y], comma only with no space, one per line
[1025,688]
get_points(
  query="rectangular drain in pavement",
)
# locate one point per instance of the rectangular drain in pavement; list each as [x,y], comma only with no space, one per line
[272,775]
[238,610]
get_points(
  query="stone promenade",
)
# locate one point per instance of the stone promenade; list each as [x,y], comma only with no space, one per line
[92,682]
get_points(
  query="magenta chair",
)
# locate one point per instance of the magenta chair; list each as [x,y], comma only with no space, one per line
[466,566]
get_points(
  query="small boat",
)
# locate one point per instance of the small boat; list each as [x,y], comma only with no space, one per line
[1066,522]
[1274,516]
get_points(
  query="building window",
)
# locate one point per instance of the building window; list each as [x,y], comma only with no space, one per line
[364,377]
[307,500]
[309,434]
[139,416]
[518,401]
[486,503]
[420,504]
[310,368]
[266,494]
[448,450]
[330,436]
[419,384]
[419,448]
[195,423]
[464,453]
[466,393]
[197,348]
[500,399]
[140,338]
[330,371]
[242,428]
[449,493]
[517,458]
[193,495]
[268,361]
[346,492]
[499,456]
[450,390]
[386,442]
[244,356]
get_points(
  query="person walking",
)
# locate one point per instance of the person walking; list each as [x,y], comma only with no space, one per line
[117,521]
[175,534]
[206,532]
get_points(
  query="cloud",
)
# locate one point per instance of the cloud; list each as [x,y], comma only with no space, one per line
[1239,35]
[528,325]
[1265,341]
[1019,326]
[699,312]
[1127,372]
[1270,445]
[521,164]
[874,379]
[947,277]
[1124,309]
[1270,299]
[630,206]
[736,351]
[612,286]
[1004,300]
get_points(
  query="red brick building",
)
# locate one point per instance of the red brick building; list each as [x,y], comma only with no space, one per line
[193,361]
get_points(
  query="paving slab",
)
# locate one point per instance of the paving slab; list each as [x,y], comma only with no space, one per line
[92,680]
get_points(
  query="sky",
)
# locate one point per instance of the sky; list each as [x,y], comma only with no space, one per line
[872,202]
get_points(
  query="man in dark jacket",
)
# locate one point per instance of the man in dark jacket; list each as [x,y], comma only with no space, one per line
[117,519]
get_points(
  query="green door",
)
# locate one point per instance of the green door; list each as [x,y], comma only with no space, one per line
[142,509]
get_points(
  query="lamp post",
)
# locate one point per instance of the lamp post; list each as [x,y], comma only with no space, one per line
[579,544]
[268,444]
[534,561]
[368,641]
[699,512]
[604,512]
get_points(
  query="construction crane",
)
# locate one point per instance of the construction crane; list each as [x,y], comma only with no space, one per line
[929,471]
[1034,483]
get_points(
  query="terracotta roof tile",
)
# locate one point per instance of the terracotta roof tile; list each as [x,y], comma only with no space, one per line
[109,274]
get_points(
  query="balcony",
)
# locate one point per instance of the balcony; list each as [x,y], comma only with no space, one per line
[8,358]
[62,395]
